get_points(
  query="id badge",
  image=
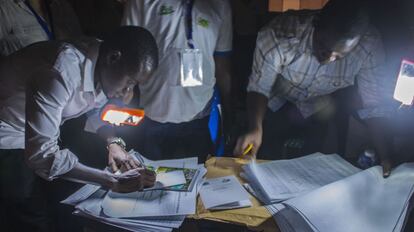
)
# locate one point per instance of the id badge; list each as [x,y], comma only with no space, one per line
[191,69]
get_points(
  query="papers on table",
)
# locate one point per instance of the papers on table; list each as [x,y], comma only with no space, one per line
[172,181]
[168,179]
[82,194]
[151,203]
[224,193]
[91,208]
[154,210]
[283,179]
[364,202]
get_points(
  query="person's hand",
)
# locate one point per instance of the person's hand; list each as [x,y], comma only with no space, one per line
[133,180]
[387,166]
[253,137]
[119,159]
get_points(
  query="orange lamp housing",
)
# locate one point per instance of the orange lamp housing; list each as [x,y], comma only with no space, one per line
[122,116]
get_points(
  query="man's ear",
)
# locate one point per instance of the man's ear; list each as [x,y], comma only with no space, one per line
[113,57]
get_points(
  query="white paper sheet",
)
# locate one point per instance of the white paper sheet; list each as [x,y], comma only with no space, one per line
[81,195]
[168,179]
[364,202]
[174,163]
[151,203]
[91,208]
[283,179]
[223,192]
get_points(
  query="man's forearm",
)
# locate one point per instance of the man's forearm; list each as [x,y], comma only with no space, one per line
[84,174]
[256,109]
[223,77]
[381,140]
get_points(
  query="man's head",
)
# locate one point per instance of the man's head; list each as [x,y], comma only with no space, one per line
[338,29]
[127,57]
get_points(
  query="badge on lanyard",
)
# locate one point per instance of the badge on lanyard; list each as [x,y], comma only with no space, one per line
[191,59]
[191,69]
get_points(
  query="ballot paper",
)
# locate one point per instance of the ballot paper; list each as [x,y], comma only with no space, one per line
[363,202]
[279,180]
[224,193]
[162,210]
[82,194]
[191,162]
[370,201]
[168,179]
[188,166]
[91,208]
[152,203]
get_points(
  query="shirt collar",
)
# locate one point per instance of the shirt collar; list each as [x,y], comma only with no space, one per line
[90,49]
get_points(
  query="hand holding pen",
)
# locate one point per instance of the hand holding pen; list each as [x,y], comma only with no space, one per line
[248,144]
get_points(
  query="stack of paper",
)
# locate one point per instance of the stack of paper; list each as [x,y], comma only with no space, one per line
[174,175]
[151,203]
[151,210]
[364,202]
[91,208]
[224,193]
[279,180]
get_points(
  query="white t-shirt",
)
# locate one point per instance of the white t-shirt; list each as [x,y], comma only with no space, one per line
[162,97]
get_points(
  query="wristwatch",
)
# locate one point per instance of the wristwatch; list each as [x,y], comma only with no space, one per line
[117,140]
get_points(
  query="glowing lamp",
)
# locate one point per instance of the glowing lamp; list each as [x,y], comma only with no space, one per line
[122,116]
[404,90]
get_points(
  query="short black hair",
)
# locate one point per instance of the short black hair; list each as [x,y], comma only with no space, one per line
[343,18]
[136,44]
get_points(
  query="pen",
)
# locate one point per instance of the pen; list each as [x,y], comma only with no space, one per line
[248,149]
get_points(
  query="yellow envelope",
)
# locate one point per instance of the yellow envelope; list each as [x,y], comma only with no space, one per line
[256,217]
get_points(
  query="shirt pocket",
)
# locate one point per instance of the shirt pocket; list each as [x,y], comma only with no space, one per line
[206,31]
[326,84]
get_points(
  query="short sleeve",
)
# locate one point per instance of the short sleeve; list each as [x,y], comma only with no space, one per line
[267,64]
[225,37]
[133,13]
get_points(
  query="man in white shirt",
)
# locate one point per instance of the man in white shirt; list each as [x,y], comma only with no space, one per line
[300,61]
[47,83]
[177,111]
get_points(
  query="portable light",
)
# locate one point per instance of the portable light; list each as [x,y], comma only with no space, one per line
[122,116]
[404,90]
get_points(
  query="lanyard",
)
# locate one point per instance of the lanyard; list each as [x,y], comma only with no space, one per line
[42,22]
[189,23]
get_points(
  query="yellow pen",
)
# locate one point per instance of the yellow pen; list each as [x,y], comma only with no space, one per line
[248,149]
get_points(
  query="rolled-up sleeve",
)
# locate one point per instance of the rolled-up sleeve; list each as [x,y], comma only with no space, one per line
[373,86]
[267,64]
[46,97]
